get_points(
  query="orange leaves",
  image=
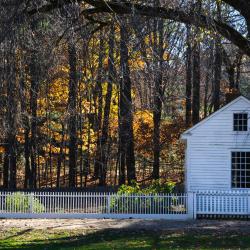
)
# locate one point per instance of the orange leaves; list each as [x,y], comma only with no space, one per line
[143,132]
[20,136]
[2,149]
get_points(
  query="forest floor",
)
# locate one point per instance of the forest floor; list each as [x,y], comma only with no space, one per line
[124,234]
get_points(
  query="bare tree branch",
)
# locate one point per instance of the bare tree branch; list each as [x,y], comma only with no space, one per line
[162,12]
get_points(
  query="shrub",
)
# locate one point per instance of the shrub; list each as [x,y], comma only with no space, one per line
[155,188]
[20,202]
[122,202]
[159,187]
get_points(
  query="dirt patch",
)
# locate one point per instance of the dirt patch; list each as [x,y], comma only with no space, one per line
[131,224]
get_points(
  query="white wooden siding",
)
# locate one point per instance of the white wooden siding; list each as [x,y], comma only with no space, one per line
[209,147]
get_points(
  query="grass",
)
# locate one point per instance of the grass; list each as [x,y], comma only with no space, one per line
[120,239]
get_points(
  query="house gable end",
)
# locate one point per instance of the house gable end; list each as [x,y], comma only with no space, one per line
[190,131]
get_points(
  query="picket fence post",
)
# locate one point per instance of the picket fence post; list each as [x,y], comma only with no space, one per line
[109,203]
[248,203]
[191,205]
[30,198]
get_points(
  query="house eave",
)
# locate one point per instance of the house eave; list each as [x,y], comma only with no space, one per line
[185,136]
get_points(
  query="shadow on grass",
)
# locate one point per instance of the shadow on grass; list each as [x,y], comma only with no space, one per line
[104,239]
[128,239]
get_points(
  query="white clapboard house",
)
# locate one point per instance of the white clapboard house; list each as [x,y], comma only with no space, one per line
[218,149]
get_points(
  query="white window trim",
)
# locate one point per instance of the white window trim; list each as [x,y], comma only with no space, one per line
[230,166]
[248,122]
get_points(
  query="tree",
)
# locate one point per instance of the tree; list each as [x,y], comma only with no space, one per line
[217,66]
[105,126]
[188,78]
[34,88]
[10,159]
[158,93]
[196,71]
[72,110]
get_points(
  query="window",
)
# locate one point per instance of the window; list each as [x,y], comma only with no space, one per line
[241,169]
[240,122]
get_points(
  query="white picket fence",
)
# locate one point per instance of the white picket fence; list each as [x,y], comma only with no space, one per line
[113,205]
[95,205]
[223,203]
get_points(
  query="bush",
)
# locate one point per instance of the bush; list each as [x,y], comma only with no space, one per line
[123,204]
[155,188]
[20,202]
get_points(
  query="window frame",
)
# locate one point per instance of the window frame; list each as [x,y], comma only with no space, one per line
[243,113]
[241,150]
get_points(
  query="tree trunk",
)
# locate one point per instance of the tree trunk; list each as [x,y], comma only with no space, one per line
[196,71]
[105,125]
[60,159]
[217,65]
[217,74]
[26,126]
[34,73]
[11,120]
[188,78]
[126,147]
[158,94]
[98,96]
[196,84]
[72,111]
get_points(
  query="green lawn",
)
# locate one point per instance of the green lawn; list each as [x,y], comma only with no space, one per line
[120,239]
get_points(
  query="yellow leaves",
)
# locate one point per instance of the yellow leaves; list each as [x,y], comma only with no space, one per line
[143,119]
[105,63]
[87,107]
[166,56]
[59,91]
[136,64]
[64,68]
[51,149]
[57,136]
[40,160]
[87,140]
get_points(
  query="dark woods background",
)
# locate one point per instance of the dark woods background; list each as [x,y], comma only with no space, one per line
[98,93]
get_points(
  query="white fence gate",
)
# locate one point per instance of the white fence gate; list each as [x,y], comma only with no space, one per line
[95,205]
[113,205]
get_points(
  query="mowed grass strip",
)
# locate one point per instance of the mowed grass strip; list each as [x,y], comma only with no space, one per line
[120,239]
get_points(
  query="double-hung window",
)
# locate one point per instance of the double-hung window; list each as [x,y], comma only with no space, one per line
[241,169]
